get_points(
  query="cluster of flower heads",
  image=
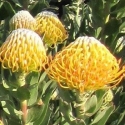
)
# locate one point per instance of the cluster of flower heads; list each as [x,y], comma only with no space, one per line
[85,64]
[23,51]
[46,24]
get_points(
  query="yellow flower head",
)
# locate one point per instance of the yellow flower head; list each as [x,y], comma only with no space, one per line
[50,27]
[22,19]
[23,51]
[85,64]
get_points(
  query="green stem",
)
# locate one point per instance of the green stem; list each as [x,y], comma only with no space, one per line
[81,99]
[25,4]
[23,103]
[21,79]
[79,105]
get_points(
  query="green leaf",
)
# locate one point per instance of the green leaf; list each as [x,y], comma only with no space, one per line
[10,110]
[23,93]
[5,84]
[102,116]
[10,121]
[13,121]
[4,98]
[122,27]
[99,94]
[34,113]
[66,110]
[42,77]
[38,7]
[90,105]
[43,87]
[120,9]
[63,95]
[17,3]
[112,27]
[46,120]
[33,90]
[10,82]
[121,119]
[31,7]
[45,111]
[99,13]
[9,8]
[3,9]
[3,91]
[32,78]
[1,4]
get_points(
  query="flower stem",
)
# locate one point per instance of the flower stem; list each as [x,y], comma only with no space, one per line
[25,4]
[24,110]
[23,103]
[81,99]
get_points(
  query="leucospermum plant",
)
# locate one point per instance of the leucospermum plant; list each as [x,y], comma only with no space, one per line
[23,52]
[56,74]
[86,66]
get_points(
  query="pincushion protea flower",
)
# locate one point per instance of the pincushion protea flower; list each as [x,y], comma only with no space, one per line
[23,51]
[85,64]
[22,19]
[50,27]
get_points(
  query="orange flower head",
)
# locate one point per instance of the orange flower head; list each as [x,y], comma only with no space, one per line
[50,27]
[85,64]
[22,19]
[23,51]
